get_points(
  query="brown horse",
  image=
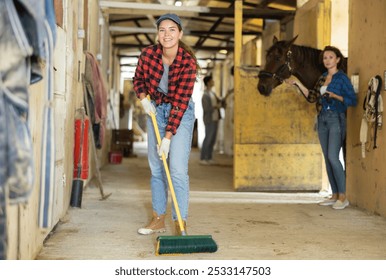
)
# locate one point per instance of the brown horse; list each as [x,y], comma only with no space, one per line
[284,59]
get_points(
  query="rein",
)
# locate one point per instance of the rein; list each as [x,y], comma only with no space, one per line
[280,70]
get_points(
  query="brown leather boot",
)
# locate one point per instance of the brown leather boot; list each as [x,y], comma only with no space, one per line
[177,228]
[157,224]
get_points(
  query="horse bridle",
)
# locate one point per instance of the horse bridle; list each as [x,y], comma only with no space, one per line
[280,70]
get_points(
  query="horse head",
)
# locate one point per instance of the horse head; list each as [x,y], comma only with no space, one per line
[277,66]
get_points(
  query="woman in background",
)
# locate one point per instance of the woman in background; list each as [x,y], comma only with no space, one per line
[334,94]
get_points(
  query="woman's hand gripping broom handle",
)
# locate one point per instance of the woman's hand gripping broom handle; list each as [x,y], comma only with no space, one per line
[173,194]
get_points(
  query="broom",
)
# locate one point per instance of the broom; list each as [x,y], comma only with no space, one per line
[184,244]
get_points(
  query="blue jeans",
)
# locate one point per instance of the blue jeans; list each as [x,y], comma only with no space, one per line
[209,141]
[180,147]
[332,131]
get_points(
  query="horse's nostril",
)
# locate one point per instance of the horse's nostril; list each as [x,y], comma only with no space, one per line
[262,89]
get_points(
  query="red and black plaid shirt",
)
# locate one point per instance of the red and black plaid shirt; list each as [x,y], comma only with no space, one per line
[182,76]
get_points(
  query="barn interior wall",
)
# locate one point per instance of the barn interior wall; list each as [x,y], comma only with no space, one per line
[26,237]
[364,38]
[365,176]
[339,25]
[367,57]
[272,29]
[312,33]
[228,94]
[274,140]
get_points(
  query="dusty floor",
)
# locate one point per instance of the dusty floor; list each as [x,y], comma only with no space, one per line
[253,226]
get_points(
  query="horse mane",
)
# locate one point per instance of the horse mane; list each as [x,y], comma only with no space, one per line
[305,55]
[309,55]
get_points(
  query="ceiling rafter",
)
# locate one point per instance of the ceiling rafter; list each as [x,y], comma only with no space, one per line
[208,25]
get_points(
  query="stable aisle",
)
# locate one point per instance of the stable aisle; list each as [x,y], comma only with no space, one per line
[246,226]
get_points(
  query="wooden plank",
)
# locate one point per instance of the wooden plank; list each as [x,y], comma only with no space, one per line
[278,167]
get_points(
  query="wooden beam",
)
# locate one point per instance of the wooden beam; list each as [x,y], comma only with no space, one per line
[125,29]
[204,48]
[148,8]
[249,13]
[237,76]
[141,30]
[131,8]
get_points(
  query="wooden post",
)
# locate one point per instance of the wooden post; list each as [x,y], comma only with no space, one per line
[237,55]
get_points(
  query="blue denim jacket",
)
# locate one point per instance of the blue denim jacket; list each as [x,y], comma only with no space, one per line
[24,40]
[340,85]
[32,15]
[22,36]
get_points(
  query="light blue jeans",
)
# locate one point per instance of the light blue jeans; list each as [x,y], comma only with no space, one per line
[180,147]
[332,132]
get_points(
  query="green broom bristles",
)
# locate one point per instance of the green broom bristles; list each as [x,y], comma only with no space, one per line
[173,245]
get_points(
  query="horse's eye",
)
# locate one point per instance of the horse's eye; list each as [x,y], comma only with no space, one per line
[277,58]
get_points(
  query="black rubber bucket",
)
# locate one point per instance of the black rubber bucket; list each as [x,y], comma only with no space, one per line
[76,193]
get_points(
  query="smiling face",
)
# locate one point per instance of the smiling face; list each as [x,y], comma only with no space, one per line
[169,33]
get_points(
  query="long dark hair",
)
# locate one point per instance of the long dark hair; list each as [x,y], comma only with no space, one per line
[190,51]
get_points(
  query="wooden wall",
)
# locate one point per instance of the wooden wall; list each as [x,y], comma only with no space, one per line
[276,147]
[254,127]
[25,236]
[366,177]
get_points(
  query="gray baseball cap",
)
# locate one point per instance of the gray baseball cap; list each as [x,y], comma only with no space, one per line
[172,17]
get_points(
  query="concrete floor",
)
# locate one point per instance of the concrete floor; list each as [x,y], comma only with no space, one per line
[246,226]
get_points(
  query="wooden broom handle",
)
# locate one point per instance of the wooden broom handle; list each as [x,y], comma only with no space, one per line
[173,194]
